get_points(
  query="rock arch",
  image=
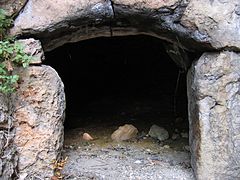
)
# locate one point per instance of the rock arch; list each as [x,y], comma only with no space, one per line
[187,26]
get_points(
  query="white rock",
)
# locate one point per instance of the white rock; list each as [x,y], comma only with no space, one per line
[137,162]
[158,132]
[125,132]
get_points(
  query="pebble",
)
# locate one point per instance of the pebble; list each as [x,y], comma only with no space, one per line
[175,136]
[166,146]
[87,137]
[184,135]
[187,148]
[137,162]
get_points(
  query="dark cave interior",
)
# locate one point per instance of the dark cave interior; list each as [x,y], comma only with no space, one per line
[128,79]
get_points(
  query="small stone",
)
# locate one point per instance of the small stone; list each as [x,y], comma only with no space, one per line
[137,162]
[158,132]
[184,135]
[54,178]
[126,132]
[175,136]
[166,146]
[187,148]
[87,137]
[148,150]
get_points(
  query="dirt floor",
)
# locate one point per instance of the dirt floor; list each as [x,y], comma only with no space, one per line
[142,158]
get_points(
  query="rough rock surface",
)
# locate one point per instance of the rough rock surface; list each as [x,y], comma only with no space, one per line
[216,20]
[214,103]
[8,157]
[57,22]
[12,7]
[207,23]
[125,132]
[39,114]
[33,48]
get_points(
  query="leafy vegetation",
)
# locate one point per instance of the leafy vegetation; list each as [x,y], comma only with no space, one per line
[11,55]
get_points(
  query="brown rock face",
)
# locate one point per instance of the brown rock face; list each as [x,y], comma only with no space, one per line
[125,132]
[39,114]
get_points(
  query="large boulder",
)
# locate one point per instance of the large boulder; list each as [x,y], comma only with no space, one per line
[207,24]
[8,149]
[214,103]
[39,114]
[58,22]
[215,20]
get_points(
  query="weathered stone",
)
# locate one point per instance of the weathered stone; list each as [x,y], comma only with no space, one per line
[12,7]
[58,22]
[214,116]
[196,24]
[158,132]
[33,48]
[218,21]
[8,157]
[125,132]
[39,112]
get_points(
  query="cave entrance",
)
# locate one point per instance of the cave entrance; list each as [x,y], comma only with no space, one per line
[114,81]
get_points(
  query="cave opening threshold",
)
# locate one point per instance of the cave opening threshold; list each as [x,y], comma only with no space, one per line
[117,81]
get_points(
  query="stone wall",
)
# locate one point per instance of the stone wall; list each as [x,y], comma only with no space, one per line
[188,25]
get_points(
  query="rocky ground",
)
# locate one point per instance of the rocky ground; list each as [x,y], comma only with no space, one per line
[141,158]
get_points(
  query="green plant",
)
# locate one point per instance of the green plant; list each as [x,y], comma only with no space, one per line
[5,23]
[11,55]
